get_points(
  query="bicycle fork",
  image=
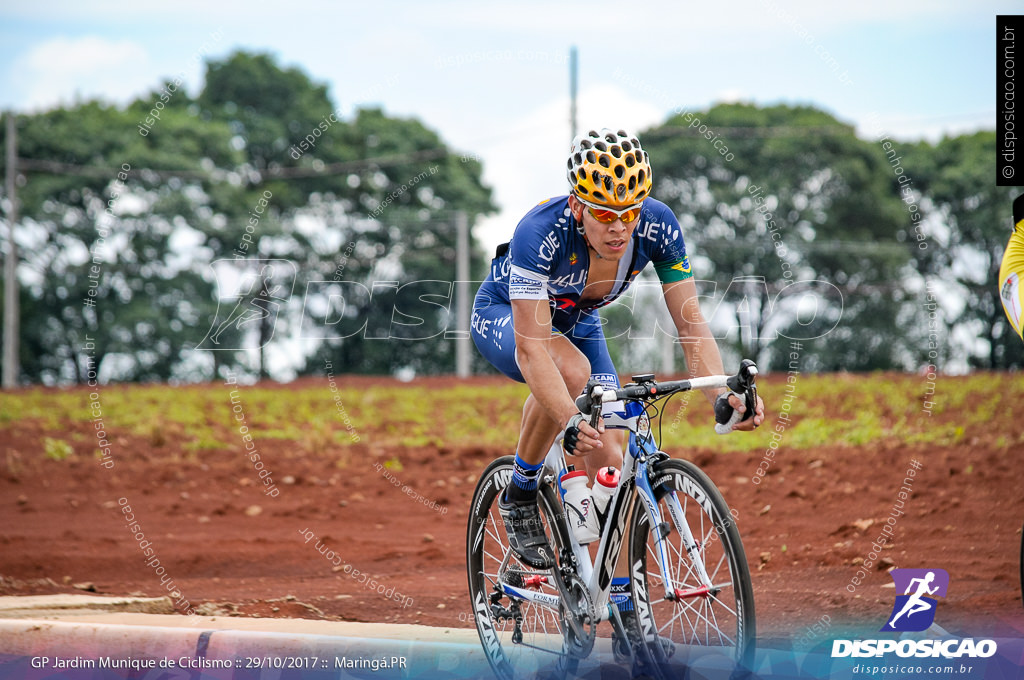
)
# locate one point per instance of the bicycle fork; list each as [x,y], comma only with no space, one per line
[661,531]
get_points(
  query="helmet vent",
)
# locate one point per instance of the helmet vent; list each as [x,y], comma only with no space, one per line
[609,167]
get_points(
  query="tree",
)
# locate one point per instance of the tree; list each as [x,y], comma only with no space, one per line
[971,221]
[195,174]
[788,194]
[106,291]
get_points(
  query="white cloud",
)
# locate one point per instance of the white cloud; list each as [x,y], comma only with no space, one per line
[63,69]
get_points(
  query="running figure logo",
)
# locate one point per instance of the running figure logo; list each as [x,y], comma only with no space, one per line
[253,292]
[915,608]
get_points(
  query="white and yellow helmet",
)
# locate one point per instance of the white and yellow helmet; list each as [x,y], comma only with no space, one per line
[609,168]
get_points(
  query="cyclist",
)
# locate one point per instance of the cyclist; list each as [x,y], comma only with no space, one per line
[1011,291]
[535,317]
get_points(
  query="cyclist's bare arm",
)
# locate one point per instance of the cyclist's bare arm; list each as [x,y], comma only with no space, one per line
[699,346]
[531,320]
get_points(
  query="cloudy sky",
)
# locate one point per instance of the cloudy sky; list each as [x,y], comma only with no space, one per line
[493,80]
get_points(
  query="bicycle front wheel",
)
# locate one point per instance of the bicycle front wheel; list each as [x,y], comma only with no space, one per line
[521,639]
[698,594]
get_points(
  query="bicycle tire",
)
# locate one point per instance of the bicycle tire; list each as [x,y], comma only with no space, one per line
[486,547]
[724,618]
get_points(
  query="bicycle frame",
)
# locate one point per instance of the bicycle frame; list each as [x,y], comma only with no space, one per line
[634,483]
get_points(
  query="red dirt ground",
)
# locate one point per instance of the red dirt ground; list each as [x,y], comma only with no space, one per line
[61,525]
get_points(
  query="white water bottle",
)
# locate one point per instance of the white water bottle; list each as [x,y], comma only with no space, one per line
[605,483]
[579,506]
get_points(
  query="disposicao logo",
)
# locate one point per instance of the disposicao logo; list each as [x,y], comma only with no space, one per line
[914,610]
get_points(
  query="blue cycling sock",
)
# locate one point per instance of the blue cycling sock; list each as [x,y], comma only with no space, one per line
[620,594]
[524,481]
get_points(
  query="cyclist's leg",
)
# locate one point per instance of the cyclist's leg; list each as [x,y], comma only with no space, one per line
[538,429]
[493,335]
[588,336]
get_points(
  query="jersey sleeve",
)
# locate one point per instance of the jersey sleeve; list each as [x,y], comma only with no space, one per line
[669,254]
[526,285]
[534,246]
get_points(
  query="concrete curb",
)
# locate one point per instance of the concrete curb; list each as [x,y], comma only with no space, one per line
[202,647]
[17,607]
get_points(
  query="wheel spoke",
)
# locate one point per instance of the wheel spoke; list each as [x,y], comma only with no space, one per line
[541,647]
[708,604]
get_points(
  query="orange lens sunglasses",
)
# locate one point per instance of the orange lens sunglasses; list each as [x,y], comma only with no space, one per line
[607,215]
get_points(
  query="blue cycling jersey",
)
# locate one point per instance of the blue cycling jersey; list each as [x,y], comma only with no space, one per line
[548,258]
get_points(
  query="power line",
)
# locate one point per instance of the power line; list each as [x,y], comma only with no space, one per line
[318,169]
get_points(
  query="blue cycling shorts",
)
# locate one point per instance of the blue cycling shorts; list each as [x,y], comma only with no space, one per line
[494,336]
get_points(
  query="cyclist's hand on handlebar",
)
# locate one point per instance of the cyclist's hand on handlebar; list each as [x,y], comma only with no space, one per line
[579,438]
[749,423]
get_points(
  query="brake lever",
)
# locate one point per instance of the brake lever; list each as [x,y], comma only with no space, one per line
[744,387]
[590,402]
[596,404]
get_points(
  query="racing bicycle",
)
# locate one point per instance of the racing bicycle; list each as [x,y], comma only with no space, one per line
[689,578]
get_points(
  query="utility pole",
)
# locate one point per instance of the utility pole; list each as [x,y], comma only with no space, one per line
[573,76]
[10,354]
[462,339]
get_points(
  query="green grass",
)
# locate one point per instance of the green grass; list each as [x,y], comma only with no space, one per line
[56,449]
[835,410]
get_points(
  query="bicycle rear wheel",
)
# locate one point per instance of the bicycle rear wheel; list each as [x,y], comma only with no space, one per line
[539,645]
[687,612]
